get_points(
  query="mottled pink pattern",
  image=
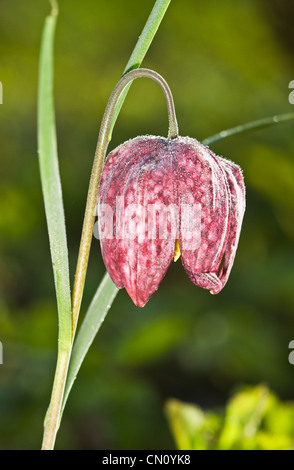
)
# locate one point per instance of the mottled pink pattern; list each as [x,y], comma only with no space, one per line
[150,172]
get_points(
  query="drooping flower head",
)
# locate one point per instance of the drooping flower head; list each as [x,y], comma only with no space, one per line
[164,198]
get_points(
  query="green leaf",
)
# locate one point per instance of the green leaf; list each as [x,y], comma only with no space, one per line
[243,417]
[52,193]
[191,427]
[94,318]
[249,126]
[254,419]
[50,180]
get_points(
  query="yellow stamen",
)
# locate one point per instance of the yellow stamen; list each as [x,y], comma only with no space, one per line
[177,251]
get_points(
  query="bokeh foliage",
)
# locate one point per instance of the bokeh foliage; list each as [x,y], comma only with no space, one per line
[226,63]
[254,419]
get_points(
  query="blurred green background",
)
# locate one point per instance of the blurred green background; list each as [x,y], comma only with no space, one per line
[227,63]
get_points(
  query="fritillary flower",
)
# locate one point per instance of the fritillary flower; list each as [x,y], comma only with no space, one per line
[161,199]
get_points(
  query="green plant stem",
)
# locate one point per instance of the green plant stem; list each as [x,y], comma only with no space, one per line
[51,187]
[100,153]
[260,123]
[52,418]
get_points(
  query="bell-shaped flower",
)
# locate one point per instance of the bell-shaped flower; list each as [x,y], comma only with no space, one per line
[164,198]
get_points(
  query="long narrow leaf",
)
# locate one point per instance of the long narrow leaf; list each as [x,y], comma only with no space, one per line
[107,291]
[94,318]
[50,180]
[249,126]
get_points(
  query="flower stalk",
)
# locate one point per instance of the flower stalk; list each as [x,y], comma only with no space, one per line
[100,153]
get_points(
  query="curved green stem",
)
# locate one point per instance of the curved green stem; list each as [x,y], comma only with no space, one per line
[265,122]
[102,144]
[138,54]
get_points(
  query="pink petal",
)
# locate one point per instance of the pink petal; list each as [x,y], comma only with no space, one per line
[210,192]
[136,258]
[237,208]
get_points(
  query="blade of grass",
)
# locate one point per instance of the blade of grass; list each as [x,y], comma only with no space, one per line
[90,326]
[51,187]
[89,329]
[249,126]
[50,178]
